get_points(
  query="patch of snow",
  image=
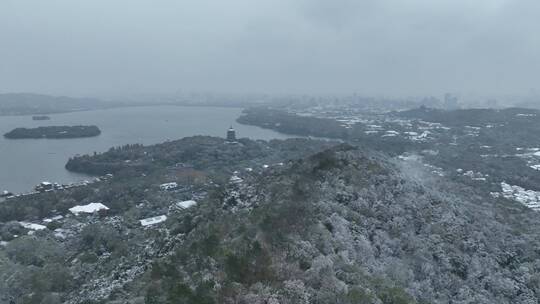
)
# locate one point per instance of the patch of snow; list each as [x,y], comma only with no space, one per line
[235,179]
[60,233]
[375,127]
[52,219]
[421,137]
[495,194]
[32,226]
[528,198]
[410,157]
[430,152]
[475,176]
[535,167]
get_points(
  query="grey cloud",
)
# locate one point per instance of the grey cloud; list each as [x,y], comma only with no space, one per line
[384,47]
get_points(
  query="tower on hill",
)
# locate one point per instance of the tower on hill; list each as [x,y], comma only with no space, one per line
[231,135]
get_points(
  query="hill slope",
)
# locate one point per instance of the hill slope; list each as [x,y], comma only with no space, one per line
[344,226]
[340,226]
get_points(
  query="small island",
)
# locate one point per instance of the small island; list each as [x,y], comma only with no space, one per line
[54,132]
[41,117]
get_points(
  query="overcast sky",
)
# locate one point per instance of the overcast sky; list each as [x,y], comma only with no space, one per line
[371,47]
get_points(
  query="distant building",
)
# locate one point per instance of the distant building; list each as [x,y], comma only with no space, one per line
[231,135]
[44,186]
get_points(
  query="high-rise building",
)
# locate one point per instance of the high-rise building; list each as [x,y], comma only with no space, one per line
[450,101]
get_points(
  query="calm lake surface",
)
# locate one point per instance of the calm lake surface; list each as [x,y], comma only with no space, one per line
[26,162]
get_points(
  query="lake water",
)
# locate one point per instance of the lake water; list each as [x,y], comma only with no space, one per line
[26,162]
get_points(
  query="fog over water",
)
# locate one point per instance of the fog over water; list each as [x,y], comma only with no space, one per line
[26,162]
[384,47]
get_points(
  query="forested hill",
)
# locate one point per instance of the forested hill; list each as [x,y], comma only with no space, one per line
[340,226]
[346,227]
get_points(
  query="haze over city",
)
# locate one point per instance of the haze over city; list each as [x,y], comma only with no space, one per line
[104,48]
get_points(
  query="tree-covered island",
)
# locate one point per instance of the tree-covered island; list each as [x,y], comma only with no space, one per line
[54,132]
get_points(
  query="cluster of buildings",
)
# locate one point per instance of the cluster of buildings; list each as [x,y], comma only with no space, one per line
[531,156]
[48,187]
[528,198]
[93,209]
[179,206]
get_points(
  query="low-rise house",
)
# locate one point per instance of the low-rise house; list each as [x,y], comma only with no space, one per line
[235,179]
[153,220]
[44,186]
[89,209]
[179,206]
[186,204]
[168,186]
